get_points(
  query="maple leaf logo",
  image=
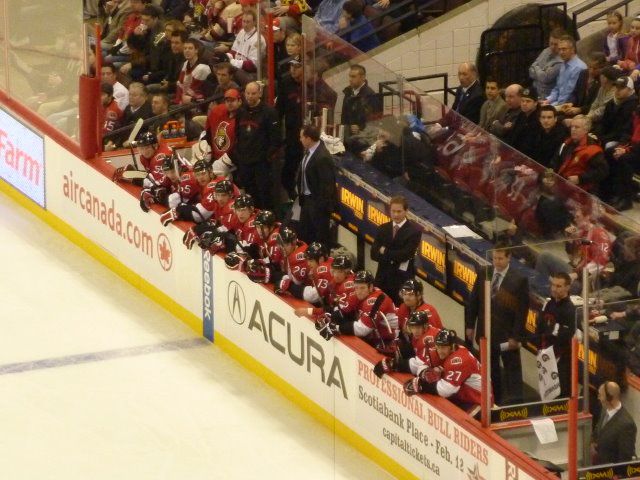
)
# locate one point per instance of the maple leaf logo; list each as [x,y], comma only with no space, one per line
[475,473]
[165,255]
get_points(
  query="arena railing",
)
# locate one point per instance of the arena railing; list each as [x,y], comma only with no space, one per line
[578,24]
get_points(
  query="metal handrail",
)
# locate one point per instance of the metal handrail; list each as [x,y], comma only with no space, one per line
[386,85]
[601,13]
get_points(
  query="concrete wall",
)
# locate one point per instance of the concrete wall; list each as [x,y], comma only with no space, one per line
[441,45]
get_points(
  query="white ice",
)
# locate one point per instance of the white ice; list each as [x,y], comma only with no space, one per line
[187,414]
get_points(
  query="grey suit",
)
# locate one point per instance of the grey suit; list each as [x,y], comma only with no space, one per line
[616,439]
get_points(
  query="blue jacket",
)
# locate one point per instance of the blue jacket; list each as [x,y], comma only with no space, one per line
[359,28]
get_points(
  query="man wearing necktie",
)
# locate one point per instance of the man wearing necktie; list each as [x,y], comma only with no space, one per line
[316,185]
[614,438]
[394,248]
[509,307]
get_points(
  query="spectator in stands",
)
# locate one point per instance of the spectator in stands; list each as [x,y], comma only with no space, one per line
[189,87]
[593,257]
[556,326]
[615,43]
[159,106]
[111,28]
[175,8]
[526,128]
[289,13]
[544,70]
[257,143]
[551,136]
[328,14]
[244,51]
[355,28]
[316,183]
[586,94]
[120,92]
[605,93]
[551,212]
[394,248]
[162,58]
[172,66]
[110,109]
[509,306]
[224,76]
[138,106]
[615,129]
[501,127]
[360,104]
[494,106]
[469,96]
[630,63]
[614,436]
[580,158]
[293,47]
[120,51]
[627,158]
[569,74]
[143,39]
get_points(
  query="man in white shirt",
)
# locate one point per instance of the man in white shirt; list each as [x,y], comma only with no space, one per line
[120,92]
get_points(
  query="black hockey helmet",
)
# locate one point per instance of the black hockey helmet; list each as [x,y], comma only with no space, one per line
[265,217]
[200,166]
[412,286]
[287,235]
[342,262]
[146,138]
[244,201]
[315,251]
[418,319]
[364,276]
[446,337]
[224,186]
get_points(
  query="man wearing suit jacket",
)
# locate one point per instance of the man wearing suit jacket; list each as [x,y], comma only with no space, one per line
[394,248]
[509,307]
[316,184]
[614,438]
[469,95]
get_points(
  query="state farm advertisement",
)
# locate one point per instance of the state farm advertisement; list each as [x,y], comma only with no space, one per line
[22,158]
[110,217]
[417,436]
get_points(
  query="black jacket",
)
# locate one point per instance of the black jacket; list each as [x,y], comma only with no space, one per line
[469,103]
[509,308]
[616,123]
[616,440]
[320,173]
[361,108]
[525,133]
[547,144]
[257,134]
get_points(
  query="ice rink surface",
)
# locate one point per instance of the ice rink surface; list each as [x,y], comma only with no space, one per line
[99,382]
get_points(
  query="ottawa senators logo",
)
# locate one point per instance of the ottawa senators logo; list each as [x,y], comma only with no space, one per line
[221,139]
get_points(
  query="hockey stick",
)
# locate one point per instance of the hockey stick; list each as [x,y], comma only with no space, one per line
[131,140]
[134,174]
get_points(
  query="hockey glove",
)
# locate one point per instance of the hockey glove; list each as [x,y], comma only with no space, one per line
[168,217]
[386,365]
[146,200]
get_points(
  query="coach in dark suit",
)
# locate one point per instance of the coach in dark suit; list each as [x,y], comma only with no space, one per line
[614,438]
[509,307]
[394,248]
[316,184]
[469,95]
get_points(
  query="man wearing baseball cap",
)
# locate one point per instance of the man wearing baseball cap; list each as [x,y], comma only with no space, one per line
[615,130]
[221,124]
[526,128]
